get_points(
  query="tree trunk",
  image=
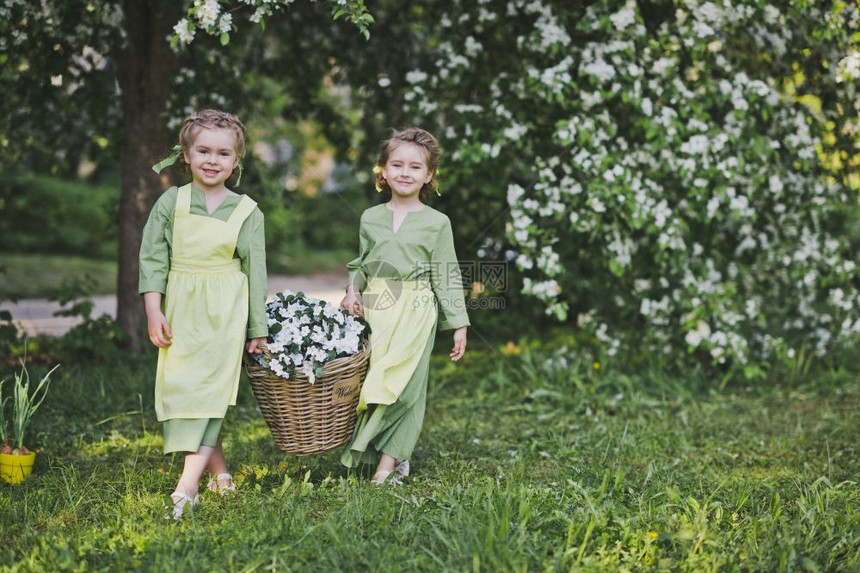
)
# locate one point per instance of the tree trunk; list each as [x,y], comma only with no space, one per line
[145,64]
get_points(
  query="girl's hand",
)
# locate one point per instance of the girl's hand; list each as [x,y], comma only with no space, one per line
[459,344]
[352,302]
[255,345]
[159,330]
[156,322]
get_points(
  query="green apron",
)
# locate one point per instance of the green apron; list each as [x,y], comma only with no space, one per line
[206,305]
[400,325]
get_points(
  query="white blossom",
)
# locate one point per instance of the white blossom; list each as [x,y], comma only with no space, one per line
[184,31]
[303,332]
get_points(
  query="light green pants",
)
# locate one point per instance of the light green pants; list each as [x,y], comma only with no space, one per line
[187,435]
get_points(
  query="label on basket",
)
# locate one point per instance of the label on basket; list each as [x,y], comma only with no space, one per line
[345,391]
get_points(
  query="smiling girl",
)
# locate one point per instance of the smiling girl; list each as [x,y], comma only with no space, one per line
[406,282]
[203,280]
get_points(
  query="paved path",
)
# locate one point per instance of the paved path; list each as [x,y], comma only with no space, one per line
[36,316]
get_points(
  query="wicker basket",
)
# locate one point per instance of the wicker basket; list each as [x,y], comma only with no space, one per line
[306,418]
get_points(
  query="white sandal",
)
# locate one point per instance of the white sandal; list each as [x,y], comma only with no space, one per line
[214,486]
[184,500]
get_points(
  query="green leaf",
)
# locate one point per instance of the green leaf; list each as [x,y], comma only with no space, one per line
[225,38]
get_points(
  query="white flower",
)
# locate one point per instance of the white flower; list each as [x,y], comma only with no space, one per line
[662,65]
[515,131]
[473,47]
[225,24]
[514,193]
[305,332]
[416,76]
[207,12]
[775,184]
[599,69]
[699,334]
[647,107]
[702,30]
[696,145]
[623,18]
[259,13]
[848,68]
[468,108]
[182,30]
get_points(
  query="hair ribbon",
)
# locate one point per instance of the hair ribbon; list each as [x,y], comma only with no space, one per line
[169,160]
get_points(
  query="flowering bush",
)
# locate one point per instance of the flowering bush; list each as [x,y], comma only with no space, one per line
[677,191]
[305,333]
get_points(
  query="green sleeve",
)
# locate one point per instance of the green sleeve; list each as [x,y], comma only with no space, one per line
[251,246]
[357,275]
[447,281]
[155,245]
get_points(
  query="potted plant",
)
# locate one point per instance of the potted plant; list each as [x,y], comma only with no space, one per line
[16,461]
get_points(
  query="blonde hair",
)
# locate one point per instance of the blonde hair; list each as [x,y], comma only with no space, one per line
[211,119]
[421,138]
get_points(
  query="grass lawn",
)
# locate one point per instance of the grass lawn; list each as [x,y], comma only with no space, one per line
[527,462]
[42,276]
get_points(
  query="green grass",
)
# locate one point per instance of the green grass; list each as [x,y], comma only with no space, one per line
[531,462]
[42,275]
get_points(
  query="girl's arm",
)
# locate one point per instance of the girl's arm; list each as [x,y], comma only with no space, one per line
[251,247]
[352,302]
[459,344]
[446,280]
[155,245]
[159,330]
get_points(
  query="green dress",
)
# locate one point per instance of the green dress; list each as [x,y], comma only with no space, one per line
[417,264]
[207,306]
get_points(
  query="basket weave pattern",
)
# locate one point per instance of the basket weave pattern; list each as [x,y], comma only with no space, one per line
[306,418]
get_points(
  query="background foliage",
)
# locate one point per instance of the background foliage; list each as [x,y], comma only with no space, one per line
[677,174]
[670,177]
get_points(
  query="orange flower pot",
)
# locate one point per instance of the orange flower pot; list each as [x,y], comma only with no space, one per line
[15,468]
